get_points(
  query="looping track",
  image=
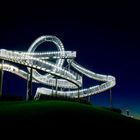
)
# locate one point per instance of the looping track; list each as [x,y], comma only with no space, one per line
[56,73]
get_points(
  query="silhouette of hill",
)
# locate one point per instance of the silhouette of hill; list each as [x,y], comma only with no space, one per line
[61,115]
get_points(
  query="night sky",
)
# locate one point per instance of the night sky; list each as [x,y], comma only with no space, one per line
[105,35]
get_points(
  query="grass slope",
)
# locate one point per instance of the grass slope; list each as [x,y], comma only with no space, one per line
[60,114]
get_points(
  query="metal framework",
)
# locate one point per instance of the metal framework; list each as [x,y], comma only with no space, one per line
[57,76]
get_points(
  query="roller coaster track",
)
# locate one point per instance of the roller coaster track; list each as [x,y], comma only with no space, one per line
[56,74]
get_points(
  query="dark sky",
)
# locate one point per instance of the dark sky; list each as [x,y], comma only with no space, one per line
[105,35]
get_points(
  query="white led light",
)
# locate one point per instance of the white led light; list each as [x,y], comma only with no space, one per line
[67,78]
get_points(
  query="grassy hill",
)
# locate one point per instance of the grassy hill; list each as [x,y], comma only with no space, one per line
[53,114]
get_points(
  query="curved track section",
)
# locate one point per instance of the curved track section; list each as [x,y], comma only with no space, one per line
[56,73]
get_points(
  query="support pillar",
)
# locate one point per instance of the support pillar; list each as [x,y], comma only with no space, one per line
[1,78]
[69,65]
[52,91]
[110,98]
[27,88]
[78,93]
[56,87]
[89,98]
[30,84]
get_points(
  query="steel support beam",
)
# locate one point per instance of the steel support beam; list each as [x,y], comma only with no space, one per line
[56,87]
[30,84]
[110,98]
[27,88]
[89,98]
[1,78]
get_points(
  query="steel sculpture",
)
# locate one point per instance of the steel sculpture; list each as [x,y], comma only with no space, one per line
[57,76]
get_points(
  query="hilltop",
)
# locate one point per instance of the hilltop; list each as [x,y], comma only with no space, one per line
[55,114]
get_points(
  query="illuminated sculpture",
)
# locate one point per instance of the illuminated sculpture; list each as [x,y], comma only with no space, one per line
[57,76]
